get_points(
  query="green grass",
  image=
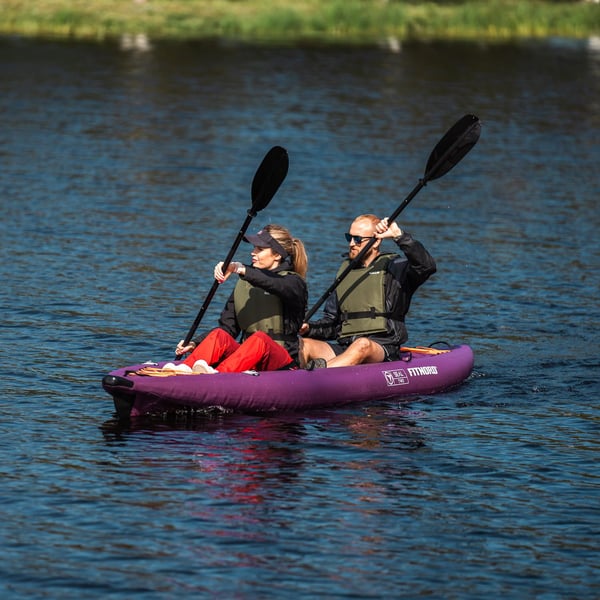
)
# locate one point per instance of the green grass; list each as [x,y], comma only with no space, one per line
[293,21]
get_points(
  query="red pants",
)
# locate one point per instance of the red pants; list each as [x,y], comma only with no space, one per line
[258,352]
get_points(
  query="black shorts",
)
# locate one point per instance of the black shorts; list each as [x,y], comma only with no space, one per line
[391,350]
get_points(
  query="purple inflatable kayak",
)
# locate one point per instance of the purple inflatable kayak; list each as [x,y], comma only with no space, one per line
[418,373]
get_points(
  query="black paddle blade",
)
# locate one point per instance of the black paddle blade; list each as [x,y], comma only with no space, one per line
[269,176]
[459,140]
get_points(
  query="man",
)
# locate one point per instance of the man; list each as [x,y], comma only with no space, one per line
[365,313]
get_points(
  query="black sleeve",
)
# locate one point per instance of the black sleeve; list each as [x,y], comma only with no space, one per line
[227,322]
[421,264]
[326,328]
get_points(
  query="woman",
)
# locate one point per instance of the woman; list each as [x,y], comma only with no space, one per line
[267,307]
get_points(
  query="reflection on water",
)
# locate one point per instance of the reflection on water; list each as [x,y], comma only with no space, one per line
[125,174]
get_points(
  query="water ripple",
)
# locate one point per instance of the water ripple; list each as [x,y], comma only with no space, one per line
[125,176]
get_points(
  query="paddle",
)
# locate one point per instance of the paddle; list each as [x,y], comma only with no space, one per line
[449,151]
[267,179]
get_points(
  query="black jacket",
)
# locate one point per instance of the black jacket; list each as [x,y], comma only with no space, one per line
[404,275]
[293,293]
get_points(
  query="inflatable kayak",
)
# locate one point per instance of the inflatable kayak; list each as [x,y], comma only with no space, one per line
[420,371]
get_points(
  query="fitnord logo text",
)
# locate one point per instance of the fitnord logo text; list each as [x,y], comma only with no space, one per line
[418,371]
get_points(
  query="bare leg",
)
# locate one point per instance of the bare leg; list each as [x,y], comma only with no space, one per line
[310,349]
[362,350]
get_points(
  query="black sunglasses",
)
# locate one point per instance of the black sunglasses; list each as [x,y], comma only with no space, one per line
[357,239]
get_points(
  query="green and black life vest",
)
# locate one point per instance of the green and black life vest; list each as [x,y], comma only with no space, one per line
[361,298]
[259,310]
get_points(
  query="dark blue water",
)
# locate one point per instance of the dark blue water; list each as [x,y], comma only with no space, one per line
[125,175]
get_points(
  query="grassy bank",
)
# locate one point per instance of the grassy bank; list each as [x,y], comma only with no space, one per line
[357,21]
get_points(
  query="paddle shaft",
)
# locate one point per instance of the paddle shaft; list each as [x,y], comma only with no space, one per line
[267,179]
[457,141]
[216,284]
[351,265]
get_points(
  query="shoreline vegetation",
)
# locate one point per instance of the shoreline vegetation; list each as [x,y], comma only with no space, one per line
[302,21]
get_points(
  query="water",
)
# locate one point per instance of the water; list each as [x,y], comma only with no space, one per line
[125,175]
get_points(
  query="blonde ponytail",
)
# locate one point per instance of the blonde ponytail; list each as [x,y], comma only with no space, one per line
[293,246]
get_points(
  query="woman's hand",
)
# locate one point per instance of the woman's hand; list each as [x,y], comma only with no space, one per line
[181,349]
[232,267]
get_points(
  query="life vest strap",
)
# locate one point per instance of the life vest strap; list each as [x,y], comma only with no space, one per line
[365,314]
